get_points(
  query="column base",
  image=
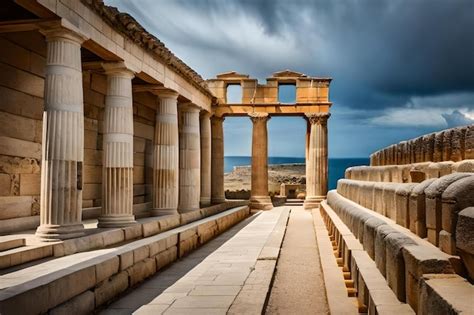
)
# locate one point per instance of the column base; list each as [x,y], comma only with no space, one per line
[112,221]
[52,233]
[218,200]
[205,202]
[260,203]
[313,202]
[163,211]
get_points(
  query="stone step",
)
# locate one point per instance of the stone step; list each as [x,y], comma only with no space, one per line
[102,238]
[86,280]
[12,243]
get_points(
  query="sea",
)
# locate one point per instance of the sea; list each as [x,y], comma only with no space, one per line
[336,166]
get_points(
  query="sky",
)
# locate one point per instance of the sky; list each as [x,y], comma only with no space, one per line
[400,68]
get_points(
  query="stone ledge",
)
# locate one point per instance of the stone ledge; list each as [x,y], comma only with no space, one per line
[103,238]
[97,270]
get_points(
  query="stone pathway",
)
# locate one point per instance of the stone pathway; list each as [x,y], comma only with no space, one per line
[211,278]
[298,286]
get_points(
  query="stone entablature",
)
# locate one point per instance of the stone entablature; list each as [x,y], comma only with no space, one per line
[312,94]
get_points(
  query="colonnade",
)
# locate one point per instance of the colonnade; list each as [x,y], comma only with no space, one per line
[188,149]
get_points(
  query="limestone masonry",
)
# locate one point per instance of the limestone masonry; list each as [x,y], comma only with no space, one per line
[112,168]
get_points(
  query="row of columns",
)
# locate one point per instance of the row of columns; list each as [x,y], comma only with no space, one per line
[188,149]
[182,168]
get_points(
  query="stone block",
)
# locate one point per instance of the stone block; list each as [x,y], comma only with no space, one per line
[111,288]
[402,196]
[114,237]
[465,237]
[20,148]
[107,268]
[5,185]
[395,265]
[66,287]
[368,242]
[434,203]
[132,232]
[141,270]
[169,222]
[445,294]
[469,143]
[379,247]
[15,206]
[19,127]
[417,208]
[420,260]
[141,253]
[81,304]
[457,196]
[126,260]
[150,228]
[30,184]
[165,258]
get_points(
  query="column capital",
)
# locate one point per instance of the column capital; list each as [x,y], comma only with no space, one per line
[256,117]
[318,118]
[188,107]
[62,29]
[205,114]
[119,69]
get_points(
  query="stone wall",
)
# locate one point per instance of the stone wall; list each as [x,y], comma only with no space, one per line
[454,144]
[22,64]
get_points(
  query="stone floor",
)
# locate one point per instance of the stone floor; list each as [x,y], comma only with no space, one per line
[209,279]
[298,287]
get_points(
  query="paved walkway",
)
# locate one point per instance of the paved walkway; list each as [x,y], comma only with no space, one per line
[209,279]
[298,287]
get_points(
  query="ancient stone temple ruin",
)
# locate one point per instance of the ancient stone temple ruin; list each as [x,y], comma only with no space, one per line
[112,176]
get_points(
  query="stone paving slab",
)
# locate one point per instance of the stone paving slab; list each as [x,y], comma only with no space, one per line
[209,279]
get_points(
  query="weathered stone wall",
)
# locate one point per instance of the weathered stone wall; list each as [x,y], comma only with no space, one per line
[22,64]
[454,144]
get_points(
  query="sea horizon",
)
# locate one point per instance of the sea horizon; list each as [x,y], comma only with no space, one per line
[336,165]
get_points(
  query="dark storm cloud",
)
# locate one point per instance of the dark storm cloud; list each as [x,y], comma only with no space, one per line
[399,67]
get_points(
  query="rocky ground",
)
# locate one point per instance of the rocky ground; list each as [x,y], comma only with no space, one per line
[240,177]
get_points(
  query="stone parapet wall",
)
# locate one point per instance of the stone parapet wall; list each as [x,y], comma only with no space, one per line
[408,173]
[454,144]
[430,209]
[391,270]
[400,256]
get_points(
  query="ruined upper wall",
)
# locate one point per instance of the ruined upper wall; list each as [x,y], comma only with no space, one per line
[454,144]
[312,93]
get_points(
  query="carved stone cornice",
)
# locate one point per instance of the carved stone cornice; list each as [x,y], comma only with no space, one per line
[259,117]
[318,118]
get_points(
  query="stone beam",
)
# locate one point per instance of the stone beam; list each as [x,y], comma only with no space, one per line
[272,109]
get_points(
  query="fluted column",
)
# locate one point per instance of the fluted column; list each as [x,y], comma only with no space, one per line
[205,159]
[166,156]
[189,159]
[117,166]
[217,160]
[63,138]
[259,198]
[317,168]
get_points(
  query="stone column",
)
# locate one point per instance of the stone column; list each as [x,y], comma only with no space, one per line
[317,169]
[259,198]
[63,138]
[166,156]
[217,160]
[189,159]
[308,134]
[117,166]
[205,159]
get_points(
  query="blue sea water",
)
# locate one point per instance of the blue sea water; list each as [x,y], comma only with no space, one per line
[337,166]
